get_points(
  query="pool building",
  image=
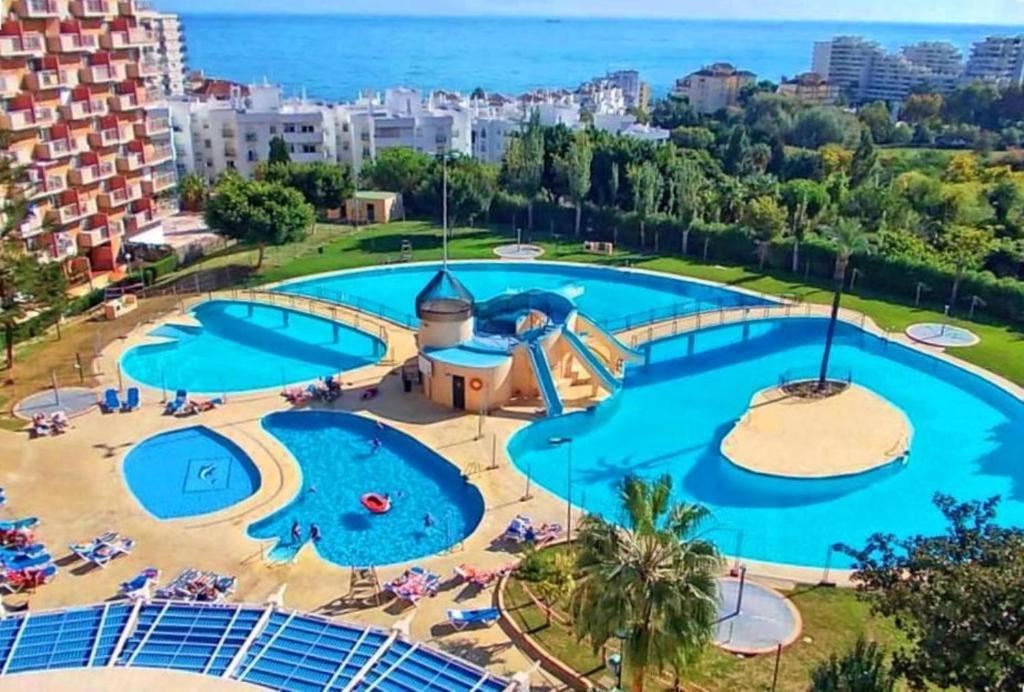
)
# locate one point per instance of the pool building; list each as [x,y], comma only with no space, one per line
[481,356]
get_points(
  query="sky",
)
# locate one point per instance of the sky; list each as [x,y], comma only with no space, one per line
[917,11]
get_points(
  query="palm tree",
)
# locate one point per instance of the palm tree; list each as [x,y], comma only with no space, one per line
[849,238]
[652,583]
[192,192]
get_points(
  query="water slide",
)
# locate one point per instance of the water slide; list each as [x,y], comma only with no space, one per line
[545,381]
[591,362]
[613,342]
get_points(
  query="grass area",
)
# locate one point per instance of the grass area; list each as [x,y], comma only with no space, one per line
[333,247]
[833,619]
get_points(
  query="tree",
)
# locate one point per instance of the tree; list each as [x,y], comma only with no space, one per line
[551,574]
[686,184]
[524,163]
[397,169]
[921,108]
[865,159]
[965,249]
[878,121]
[672,112]
[576,166]
[693,137]
[192,192]
[259,213]
[647,187]
[737,153]
[818,126]
[278,151]
[1006,197]
[478,94]
[766,219]
[848,237]
[957,598]
[861,669]
[805,200]
[322,184]
[652,580]
[471,188]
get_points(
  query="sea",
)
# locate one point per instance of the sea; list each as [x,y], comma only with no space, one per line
[336,57]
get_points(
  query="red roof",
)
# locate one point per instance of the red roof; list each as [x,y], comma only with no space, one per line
[218,89]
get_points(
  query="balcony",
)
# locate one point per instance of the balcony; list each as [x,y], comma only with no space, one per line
[229,150]
[30,227]
[75,211]
[92,8]
[83,110]
[110,137]
[74,43]
[143,69]
[130,162]
[100,74]
[87,175]
[161,182]
[51,79]
[10,84]
[123,103]
[130,8]
[38,9]
[158,154]
[152,127]
[138,221]
[45,184]
[115,199]
[133,37]
[94,237]
[41,116]
[57,149]
[23,46]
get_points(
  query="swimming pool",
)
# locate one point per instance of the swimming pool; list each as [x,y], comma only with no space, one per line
[334,452]
[188,472]
[673,414]
[615,297]
[243,346]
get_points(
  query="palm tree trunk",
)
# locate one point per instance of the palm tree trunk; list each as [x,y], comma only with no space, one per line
[259,257]
[579,216]
[954,293]
[837,295]
[796,254]
[639,673]
[643,244]
[686,239]
[529,214]
[9,343]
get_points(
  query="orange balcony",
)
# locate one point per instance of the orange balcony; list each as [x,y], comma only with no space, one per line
[24,46]
[156,155]
[101,74]
[144,69]
[28,118]
[87,175]
[131,162]
[117,198]
[51,79]
[32,226]
[161,182]
[110,137]
[73,43]
[129,8]
[92,8]
[57,149]
[152,127]
[69,213]
[38,9]
[83,110]
[100,235]
[10,84]
[132,37]
[123,103]
[43,184]
[136,222]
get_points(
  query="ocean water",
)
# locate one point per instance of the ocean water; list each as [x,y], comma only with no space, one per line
[335,57]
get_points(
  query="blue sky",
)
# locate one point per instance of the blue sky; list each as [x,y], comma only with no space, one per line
[922,11]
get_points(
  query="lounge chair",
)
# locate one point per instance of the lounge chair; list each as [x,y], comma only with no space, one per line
[543,535]
[16,538]
[517,529]
[32,549]
[19,524]
[16,581]
[132,401]
[103,549]
[139,585]
[482,578]
[24,562]
[179,400]
[59,423]
[111,403]
[461,619]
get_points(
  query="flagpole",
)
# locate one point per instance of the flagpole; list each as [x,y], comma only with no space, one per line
[444,208]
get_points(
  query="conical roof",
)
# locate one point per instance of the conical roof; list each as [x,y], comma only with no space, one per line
[444,297]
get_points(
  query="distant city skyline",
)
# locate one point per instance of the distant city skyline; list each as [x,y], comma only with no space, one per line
[1003,12]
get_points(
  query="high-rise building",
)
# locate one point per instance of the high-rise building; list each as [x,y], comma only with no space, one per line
[170,51]
[999,60]
[714,87]
[810,88]
[80,109]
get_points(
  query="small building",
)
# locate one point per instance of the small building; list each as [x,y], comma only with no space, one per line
[369,206]
[714,87]
[810,88]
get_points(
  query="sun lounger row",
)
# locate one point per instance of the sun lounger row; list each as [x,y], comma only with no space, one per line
[112,402]
[102,549]
[414,584]
[17,533]
[141,584]
[56,424]
[482,578]
[328,389]
[181,405]
[195,585]
[24,564]
[522,530]
[461,619]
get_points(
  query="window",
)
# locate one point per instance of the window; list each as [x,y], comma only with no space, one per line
[291,148]
[308,148]
[289,128]
[308,129]
[208,144]
[344,127]
[253,156]
[250,136]
[273,129]
[366,153]
[231,164]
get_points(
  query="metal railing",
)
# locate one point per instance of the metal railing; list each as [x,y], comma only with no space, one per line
[360,304]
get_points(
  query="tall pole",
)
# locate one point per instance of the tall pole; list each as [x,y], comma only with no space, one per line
[444,207]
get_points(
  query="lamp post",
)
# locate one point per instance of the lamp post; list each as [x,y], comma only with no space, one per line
[567,441]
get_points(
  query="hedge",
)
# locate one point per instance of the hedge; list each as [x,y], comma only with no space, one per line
[152,271]
[38,324]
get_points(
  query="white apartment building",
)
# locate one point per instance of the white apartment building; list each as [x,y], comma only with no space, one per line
[999,60]
[169,52]
[714,87]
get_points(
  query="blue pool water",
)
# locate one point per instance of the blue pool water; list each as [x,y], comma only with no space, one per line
[614,297]
[188,472]
[242,347]
[338,466]
[673,414]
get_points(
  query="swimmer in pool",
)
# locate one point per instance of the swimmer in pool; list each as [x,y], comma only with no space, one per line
[375,444]
[312,489]
[314,533]
[428,520]
[296,531]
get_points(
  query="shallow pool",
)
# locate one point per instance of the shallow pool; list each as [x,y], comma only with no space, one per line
[241,346]
[673,414]
[188,472]
[339,465]
[615,297]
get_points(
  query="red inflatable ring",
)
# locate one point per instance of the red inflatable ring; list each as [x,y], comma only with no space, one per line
[376,503]
[476,384]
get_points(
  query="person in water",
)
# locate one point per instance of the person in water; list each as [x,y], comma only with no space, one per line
[428,520]
[314,533]
[296,531]
[375,444]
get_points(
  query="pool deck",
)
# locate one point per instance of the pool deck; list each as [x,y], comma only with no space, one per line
[75,485]
[847,433]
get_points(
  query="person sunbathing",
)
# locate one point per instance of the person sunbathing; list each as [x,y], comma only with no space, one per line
[370,393]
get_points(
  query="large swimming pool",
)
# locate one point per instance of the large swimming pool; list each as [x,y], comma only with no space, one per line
[339,464]
[673,414]
[614,297]
[241,346]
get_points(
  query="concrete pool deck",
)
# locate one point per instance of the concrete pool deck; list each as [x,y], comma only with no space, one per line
[75,485]
[851,432]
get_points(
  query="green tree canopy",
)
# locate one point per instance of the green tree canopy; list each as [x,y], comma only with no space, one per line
[816,127]
[322,184]
[397,169]
[278,151]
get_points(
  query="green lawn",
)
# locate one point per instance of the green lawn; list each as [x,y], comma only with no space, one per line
[833,619]
[334,247]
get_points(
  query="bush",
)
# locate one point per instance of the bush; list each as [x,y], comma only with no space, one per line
[152,271]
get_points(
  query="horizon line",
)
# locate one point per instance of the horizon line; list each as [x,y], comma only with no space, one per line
[591,18]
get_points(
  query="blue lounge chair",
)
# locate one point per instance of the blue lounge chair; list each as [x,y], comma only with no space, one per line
[139,585]
[180,399]
[26,561]
[34,549]
[461,619]
[133,400]
[111,402]
[19,524]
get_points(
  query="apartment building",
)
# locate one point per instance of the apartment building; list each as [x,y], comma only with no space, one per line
[714,87]
[810,88]
[169,52]
[998,60]
[79,105]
